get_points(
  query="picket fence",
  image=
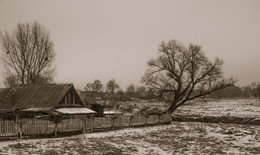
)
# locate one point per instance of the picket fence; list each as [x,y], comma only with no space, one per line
[29,128]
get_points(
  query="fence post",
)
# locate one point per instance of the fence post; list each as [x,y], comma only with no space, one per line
[92,126]
[85,125]
[84,119]
[159,115]
[0,128]
[130,120]
[113,121]
[146,117]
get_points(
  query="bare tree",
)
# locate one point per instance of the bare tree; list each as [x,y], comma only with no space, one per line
[184,71]
[255,89]
[11,80]
[96,86]
[28,55]
[130,91]
[88,87]
[141,91]
[112,86]
[94,89]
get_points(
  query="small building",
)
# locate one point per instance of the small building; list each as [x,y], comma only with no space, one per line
[33,100]
[90,98]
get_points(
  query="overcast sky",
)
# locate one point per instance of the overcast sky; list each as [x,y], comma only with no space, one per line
[114,39]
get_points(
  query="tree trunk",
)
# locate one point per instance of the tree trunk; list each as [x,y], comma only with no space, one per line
[56,130]
[18,124]
[172,108]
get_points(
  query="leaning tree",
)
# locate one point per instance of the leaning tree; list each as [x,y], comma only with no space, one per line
[184,72]
[27,55]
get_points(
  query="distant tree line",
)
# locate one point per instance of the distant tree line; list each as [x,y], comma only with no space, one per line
[112,91]
[251,90]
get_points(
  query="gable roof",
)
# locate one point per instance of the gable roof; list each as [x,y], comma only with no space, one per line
[87,96]
[34,96]
[91,97]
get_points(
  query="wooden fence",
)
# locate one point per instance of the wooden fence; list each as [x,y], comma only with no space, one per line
[28,128]
[8,129]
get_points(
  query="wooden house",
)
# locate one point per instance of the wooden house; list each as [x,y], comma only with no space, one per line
[42,99]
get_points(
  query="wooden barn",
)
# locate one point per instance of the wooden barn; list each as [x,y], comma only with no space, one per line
[41,99]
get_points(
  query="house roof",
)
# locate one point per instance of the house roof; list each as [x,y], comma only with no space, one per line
[33,96]
[87,96]
[3,93]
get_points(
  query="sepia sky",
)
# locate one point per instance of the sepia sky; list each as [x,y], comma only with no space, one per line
[114,39]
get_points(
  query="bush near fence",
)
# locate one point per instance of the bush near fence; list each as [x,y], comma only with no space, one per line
[43,128]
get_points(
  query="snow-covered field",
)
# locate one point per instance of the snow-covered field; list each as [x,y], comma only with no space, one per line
[232,108]
[179,137]
[176,138]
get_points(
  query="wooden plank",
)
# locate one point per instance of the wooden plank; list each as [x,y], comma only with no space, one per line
[35,127]
[152,119]
[138,120]
[73,124]
[165,118]
[7,128]
[122,121]
[102,122]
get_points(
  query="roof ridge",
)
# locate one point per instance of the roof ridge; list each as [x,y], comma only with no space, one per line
[48,84]
[51,84]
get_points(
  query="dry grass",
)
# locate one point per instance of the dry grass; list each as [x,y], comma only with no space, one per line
[218,108]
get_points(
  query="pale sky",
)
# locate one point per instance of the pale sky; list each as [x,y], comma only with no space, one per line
[114,39]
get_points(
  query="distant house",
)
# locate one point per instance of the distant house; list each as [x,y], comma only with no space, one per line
[91,99]
[88,97]
[40,99]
